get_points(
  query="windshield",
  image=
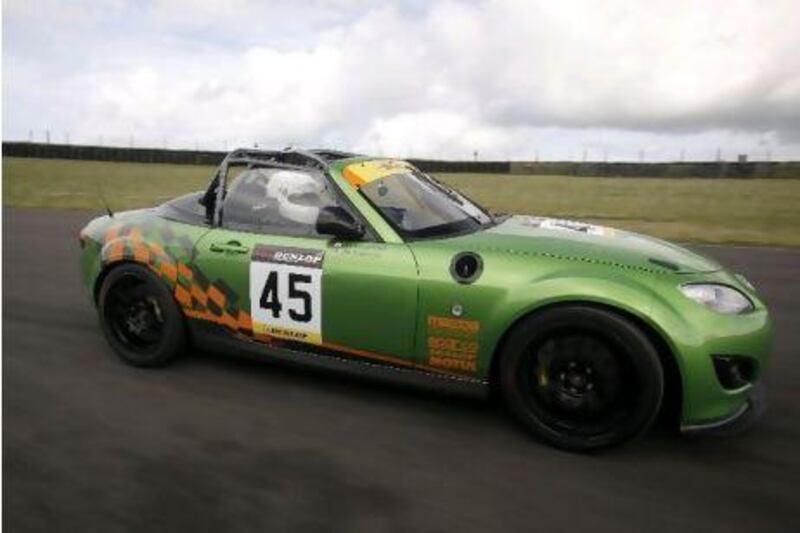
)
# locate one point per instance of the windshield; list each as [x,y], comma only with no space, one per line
[417,206]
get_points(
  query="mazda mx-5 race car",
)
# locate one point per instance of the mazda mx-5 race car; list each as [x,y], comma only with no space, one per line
[587,332]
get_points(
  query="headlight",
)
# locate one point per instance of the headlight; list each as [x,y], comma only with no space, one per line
[719,298]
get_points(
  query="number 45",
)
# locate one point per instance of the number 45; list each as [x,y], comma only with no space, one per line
[269,296]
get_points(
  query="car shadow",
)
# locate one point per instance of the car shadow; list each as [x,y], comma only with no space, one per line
[432,396]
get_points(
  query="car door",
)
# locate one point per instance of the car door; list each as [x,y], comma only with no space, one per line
[294,285]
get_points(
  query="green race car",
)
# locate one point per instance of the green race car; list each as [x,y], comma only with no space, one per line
[587,332]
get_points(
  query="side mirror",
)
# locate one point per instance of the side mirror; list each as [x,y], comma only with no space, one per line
[338,222]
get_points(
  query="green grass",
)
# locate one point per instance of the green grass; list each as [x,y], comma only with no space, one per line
[77,184]
[765,212]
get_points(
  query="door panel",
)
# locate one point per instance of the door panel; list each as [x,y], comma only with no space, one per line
[370,297]
[352,296]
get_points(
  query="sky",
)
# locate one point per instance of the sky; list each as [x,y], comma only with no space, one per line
[498,79]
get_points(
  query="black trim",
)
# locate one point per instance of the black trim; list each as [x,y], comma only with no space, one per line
[738,422]
[735,371]
[214,338]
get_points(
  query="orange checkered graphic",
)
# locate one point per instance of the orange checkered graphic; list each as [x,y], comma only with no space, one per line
[197,296]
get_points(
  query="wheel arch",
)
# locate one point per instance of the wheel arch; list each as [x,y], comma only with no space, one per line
[673,383]
[109,266]
[128,249]
[105,270]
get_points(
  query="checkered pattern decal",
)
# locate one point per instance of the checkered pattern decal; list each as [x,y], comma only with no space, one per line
[199,297]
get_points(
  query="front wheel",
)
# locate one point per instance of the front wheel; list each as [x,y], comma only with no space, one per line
[139,316]
[581,378]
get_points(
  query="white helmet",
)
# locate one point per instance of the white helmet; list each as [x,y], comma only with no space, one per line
[287,187]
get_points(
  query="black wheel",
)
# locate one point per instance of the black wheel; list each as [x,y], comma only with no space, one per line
[581,378]
[139,316]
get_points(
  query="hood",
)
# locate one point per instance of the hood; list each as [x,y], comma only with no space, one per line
[567,238]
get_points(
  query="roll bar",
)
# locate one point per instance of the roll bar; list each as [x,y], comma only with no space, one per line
[289,158]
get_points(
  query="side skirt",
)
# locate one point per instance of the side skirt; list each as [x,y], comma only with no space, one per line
[210,337]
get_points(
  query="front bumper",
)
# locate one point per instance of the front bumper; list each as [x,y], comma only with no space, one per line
[706,336]
[739,422]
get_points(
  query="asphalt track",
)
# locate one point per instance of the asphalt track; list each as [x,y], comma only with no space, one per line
[214,443]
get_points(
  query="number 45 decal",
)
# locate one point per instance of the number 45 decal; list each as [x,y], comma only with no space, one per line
[271,301]
[286,293]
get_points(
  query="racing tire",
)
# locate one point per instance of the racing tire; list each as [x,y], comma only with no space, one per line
[139,317]
[581,378]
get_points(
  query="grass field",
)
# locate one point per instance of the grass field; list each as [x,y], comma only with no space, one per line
[764,212]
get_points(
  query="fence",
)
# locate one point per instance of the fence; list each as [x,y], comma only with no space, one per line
[191,157]
[775,169]
[711,169]
[110,153]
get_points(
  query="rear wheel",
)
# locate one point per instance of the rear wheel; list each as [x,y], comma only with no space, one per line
[139,317]
[581,378]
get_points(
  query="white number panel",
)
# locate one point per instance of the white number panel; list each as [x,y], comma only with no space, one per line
[286,293]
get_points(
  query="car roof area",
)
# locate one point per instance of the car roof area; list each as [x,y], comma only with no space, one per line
[318,158]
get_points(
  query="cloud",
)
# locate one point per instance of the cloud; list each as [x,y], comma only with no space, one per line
[506,78]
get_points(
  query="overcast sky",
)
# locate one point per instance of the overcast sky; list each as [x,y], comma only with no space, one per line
[563,79]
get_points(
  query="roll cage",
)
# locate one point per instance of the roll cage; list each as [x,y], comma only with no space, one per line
[288,158]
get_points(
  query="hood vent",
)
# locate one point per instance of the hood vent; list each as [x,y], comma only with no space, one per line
[665,264]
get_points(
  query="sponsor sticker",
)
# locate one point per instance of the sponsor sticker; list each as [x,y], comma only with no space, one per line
[453,344]
[360,174]
[559,224]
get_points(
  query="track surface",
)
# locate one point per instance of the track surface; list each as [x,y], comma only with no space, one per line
[212,443]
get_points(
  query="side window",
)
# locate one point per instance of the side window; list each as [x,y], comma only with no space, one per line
[276,201]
